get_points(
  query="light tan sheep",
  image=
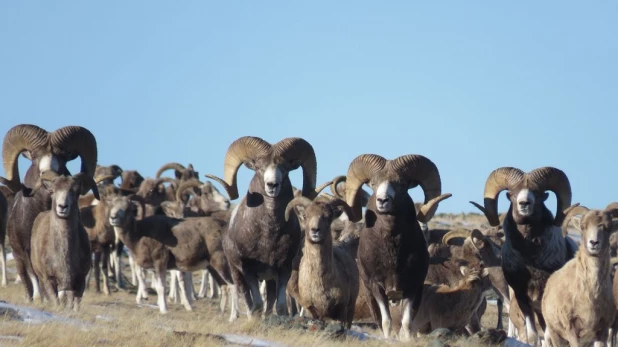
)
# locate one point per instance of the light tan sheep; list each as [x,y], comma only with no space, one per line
[578,303]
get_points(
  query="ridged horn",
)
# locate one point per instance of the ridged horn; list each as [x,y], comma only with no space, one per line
[102,178]
[20,138]
[141,201]
[73,141]
[361,171]
[298,152]
[244,149]
[187,185]
[555,180]
[334,187]
[464,233]
[571,212]
[498,180]
[419,170]
[169,166]
[301,200]
[321,187]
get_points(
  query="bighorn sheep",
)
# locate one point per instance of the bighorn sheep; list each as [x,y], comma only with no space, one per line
[328,281]
[578,303]
[259,244]
[154,193]
[110,173]
[452,307]
[95,219]
[60,247]
[392,253]
[182,175]
[164,243]
[534,245]
[47,151]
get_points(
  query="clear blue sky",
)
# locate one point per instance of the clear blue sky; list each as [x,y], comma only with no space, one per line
[472,85]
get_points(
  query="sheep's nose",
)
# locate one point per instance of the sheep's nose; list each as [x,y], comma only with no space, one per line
[272,185]
[524,203]
[64,207]
[593,243]
[314,230]
[383,201]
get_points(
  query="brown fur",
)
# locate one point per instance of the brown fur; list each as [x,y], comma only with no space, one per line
[578,303]
[60,247]
[328,281]
[4,215]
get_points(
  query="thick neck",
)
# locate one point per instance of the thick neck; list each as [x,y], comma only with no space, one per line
[594,269]
[320,255]
[126,233]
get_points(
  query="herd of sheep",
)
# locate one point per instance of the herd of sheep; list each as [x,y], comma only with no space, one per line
[305,251]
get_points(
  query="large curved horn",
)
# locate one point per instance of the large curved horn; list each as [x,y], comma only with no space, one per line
[141,201]
[102,178]
[498,180]
[298,152]
[73,141]
[360,171]
[321,187]
[20,138]
[187,185]
[465,233]
[612,205]
[555,180]
[301,200]
[240,151]
[85,182]
[169,166]
[570,213]
[169,180]
[419,170]
[335,189]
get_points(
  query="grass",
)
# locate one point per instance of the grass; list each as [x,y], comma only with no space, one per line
[116,320]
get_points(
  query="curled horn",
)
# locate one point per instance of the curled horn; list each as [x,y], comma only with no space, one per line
[140,200]
[612,210]
[102,178]
[498,180]
[419,170]
[301,200]
[243,150]
[465,233]
[298,152]
[337,203]
[73,141]
[334,187]
[361,171]
[169,166]
[321,187]
[170,180]
[85,182]
[570,213]
[20,138]
[187,185]
[612,205]
[550,178]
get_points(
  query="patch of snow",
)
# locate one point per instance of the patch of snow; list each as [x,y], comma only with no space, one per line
[34,316]
[511,342]
[11,338]
[249,341]
[101,317]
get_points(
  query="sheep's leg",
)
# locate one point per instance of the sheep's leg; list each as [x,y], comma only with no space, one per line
[282,282]
[104,266]
[49,291]
[601,338]
[551,339]
[173,295]
[203,290]
[159,278]
[133,269]
[526,309]
[406,319]
[183,282]
[225,293]
[247,284]
[263,289]
[189,287]
[23,274]
[232,291]
[117,258]
[213,286]
[3,265]
[382,303]
[500,325]
[153,280]
[271,296]
[97,271]
[17,279]
[141,287]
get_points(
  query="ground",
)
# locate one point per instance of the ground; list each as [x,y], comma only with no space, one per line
[116,320]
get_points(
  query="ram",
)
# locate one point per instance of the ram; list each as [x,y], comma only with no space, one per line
[47,151]
[392,253]
[534,245]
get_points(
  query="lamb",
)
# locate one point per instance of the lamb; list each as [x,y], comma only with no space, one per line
[451,307]
[578,302]
[392,254]
[259,244]
[534,245]
[164,243]
[328,279]
[60,247]
[47,151]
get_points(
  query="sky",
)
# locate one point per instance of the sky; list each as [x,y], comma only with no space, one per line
[471,85]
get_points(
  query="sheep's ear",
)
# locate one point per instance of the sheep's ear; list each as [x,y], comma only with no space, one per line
[478,240]
[300,213]
[338,211]
[545,196]
[251,165]
[464,270]
[178,174]
[508,195]
[47,184]
[485,272]
[169,208]
[577,223]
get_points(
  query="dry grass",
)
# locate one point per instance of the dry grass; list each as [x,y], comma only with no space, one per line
[116,320]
